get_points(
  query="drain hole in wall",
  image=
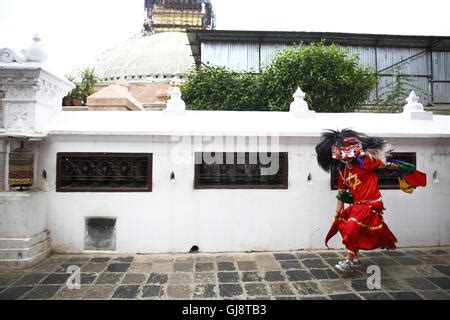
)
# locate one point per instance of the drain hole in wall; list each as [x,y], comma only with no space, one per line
[194,249]
[100,234]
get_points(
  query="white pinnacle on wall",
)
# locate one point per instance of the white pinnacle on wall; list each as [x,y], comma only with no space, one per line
[299,107]
[413,103]
[415,109]
[175,105]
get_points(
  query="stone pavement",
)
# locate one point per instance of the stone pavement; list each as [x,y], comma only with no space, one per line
[415,273]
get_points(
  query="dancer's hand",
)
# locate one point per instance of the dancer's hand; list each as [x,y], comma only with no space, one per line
[336,216]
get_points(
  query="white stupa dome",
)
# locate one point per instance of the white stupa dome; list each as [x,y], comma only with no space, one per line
[160,57]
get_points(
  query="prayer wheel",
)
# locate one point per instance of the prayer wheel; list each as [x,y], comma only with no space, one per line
[21,168]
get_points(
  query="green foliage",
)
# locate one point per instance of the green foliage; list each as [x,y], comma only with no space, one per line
[394,93]
[88,80]
[219,88]
[83,88]
[77,92]
[333,82]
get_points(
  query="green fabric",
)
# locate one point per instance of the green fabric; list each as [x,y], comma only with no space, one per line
[345,197]
[406,168]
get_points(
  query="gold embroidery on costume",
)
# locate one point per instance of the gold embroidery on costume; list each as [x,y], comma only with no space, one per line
[353,184]
[362,224]
[366,226]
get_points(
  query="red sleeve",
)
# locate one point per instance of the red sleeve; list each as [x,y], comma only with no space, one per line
[371,164]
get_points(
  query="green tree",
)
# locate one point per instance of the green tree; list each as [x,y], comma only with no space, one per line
[333,80]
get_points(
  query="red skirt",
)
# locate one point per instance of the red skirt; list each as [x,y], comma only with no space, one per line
[362,227]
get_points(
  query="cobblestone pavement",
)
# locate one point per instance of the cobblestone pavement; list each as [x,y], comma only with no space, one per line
[416,273]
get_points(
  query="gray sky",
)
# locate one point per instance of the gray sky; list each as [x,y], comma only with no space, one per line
[77,31]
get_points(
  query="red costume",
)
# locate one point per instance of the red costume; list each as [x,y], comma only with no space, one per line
[356,157]
[361,224]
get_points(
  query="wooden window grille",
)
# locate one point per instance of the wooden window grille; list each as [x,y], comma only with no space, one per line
[244,172]
[104,172]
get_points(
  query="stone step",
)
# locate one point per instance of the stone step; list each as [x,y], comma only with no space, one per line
[12,264]
[24,253]
[22,243]
[19,253]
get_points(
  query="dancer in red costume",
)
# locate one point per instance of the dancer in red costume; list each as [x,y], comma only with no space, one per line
[356,157]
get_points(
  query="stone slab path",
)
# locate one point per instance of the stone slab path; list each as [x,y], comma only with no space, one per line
[414,273]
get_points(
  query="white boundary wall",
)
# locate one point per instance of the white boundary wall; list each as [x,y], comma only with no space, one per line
[174,217]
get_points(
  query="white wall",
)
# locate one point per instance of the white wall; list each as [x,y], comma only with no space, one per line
[22,214]
[174,217]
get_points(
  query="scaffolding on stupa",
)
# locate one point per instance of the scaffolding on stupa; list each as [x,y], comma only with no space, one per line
[178,15]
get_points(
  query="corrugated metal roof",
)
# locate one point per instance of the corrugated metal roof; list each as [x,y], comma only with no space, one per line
[348,39]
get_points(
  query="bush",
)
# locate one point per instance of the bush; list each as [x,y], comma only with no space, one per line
[219,88]
[333,82]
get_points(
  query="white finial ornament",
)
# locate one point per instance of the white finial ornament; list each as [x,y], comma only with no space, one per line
[299,94]
[175,103]
[413,103]
[415,109]
[299,103]
[299,106]
[36,52]
[412,98]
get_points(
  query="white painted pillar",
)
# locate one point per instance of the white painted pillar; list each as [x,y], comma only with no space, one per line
[32,96]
